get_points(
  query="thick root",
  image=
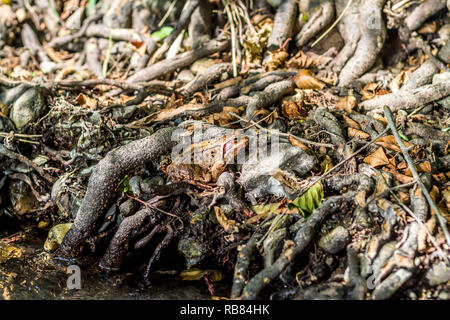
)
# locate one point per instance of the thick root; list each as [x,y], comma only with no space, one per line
[318,21]
[103,182]
[283,25]
[373,35]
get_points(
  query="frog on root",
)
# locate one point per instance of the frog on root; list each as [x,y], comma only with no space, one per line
[206,160]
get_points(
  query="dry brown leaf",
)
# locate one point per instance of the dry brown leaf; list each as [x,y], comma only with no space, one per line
[352,132]
[137,46]
[351,123]
[306,80]
[348,104]
[379,159]
[277,59]
[371,90]
[293,110]
[390,143]
[228,225]
[298,144]
[85,101]
[429,27]
[301,61]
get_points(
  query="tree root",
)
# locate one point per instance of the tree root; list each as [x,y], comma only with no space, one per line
[207,77]
[181,60]
[316,23]
[349,29]
[422,76]
[271,94]
[408,100]
[420,14]
[373,35]
[283,24]
[329,123]
[103,183]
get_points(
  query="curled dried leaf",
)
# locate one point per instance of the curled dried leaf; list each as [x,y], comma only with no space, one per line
[348,104]
[357,133]
[293,110]
[306,80]
[301,61]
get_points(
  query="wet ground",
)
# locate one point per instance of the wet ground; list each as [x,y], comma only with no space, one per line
[35,275]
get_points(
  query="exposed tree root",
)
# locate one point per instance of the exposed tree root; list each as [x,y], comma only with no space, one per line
[408,100]
[329,123]
[179,61]
[349,29]
[373,35]
[103,183]
[283,24]
[316,23]
[210,75]
[425,10]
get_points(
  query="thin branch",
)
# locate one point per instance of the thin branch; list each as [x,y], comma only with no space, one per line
[282,134]
[409,161]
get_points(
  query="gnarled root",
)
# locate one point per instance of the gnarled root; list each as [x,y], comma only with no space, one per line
[316,23]
[373,35]
[329,123]
[103,182]
[420,15]
[408,100]
[283,25]
[349,30]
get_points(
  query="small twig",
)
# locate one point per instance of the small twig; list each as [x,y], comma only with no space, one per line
[282,134]
[409,161]
[233,40]
[411,213]
[21,158]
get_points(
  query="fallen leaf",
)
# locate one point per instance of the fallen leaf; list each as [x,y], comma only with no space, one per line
[228,225]
[309,201]
[86,101]
[298,144]
[379,159]
[351,123]
[348,104]
[293,110]
[357,133]
[195,274]
[390,143]
[305,80]
[276,59]
[301,61]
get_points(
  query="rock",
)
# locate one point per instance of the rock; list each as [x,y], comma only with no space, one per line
[256,178]
[29,107]
[192,250]
[185,76]
[56,236]
[201,65]
[439,78]
[439,273]
[335,241]
[22,198]
[444,295]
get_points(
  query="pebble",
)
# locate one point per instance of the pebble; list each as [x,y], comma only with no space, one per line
[56,236]
[439,273]
[335,241]
[28,108]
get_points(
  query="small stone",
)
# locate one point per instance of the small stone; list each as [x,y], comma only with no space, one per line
[439,273]
[335,241]
[185,76]
[28,107]
[201,65]
[22,198]
[56,236]
[444,295]
[256,171]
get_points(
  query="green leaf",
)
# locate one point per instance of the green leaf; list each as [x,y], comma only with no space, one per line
[309,201]
[402,135]
[125,183]
[162,33]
